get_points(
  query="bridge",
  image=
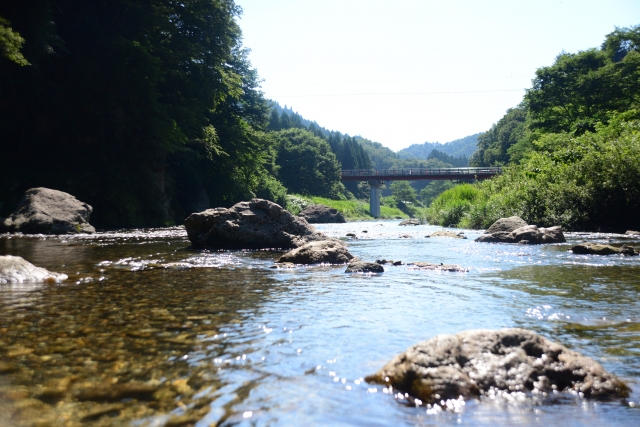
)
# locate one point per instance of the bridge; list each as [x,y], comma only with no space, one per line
[376,178]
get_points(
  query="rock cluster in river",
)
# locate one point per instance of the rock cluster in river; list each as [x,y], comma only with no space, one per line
[45,211]
[15,269]
[503,231]
[410,221]
[506,225]
[364,267]
[445,233]
[598,249]
[321,214]
[256,224]
[473,362]
[437,267]
[324,251]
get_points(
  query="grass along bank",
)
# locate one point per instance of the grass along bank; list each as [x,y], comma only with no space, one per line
[589,182]
[353,210]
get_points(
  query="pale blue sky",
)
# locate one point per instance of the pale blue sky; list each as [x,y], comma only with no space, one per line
[404,72]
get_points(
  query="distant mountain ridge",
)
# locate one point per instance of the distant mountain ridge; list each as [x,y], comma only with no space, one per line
[382,157]
[463,147]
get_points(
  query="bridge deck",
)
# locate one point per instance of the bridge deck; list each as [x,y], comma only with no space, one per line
[414,174]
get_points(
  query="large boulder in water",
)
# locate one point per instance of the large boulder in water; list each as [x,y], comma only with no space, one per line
[256,224]
[14,269]
[324,251]
[46,211]
[506,225]
[529,234]
[364,267]
[321,214]
[597,249]
[471,363]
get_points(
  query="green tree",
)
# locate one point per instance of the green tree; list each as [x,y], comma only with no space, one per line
[432,190]
[621,42]
[307,165]
[285,121]
[274,121]
[148,105]
[457,162]
[11,43]
[404,192]
[583,89]
[494,145]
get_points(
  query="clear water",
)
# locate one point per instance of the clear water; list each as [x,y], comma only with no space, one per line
[219,338]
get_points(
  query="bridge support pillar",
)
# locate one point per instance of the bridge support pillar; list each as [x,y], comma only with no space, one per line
[374,201]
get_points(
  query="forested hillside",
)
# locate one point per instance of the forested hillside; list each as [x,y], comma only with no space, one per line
[463,147]
[149,111]
[572,147]
[145,110]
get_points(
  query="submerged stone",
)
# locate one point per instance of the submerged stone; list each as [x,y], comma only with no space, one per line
[598,249]
[411,221]
[364,267]
[321,214]
[445,233]
[324,251]
[283,265]
[529,234]
[116,392]
[439,267]
[14,269]
[473,362]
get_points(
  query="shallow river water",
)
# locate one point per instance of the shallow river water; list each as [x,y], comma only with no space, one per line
[146,332]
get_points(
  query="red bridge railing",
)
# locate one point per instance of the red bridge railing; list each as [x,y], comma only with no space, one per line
[414,174]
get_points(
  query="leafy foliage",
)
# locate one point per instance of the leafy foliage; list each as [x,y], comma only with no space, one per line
[451,206]
[572,147]
[10,43]
[587,182]
[403,191]
[145,110]
[352,209]
[583,89]
[348,151]
[456,162]
[432,190]
[496,146]
[307,165]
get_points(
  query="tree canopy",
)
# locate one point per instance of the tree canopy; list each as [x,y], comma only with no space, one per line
[570,149]
[307,165]
[139,108]
[582,89]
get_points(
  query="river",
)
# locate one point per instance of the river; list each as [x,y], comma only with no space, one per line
[146,332]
